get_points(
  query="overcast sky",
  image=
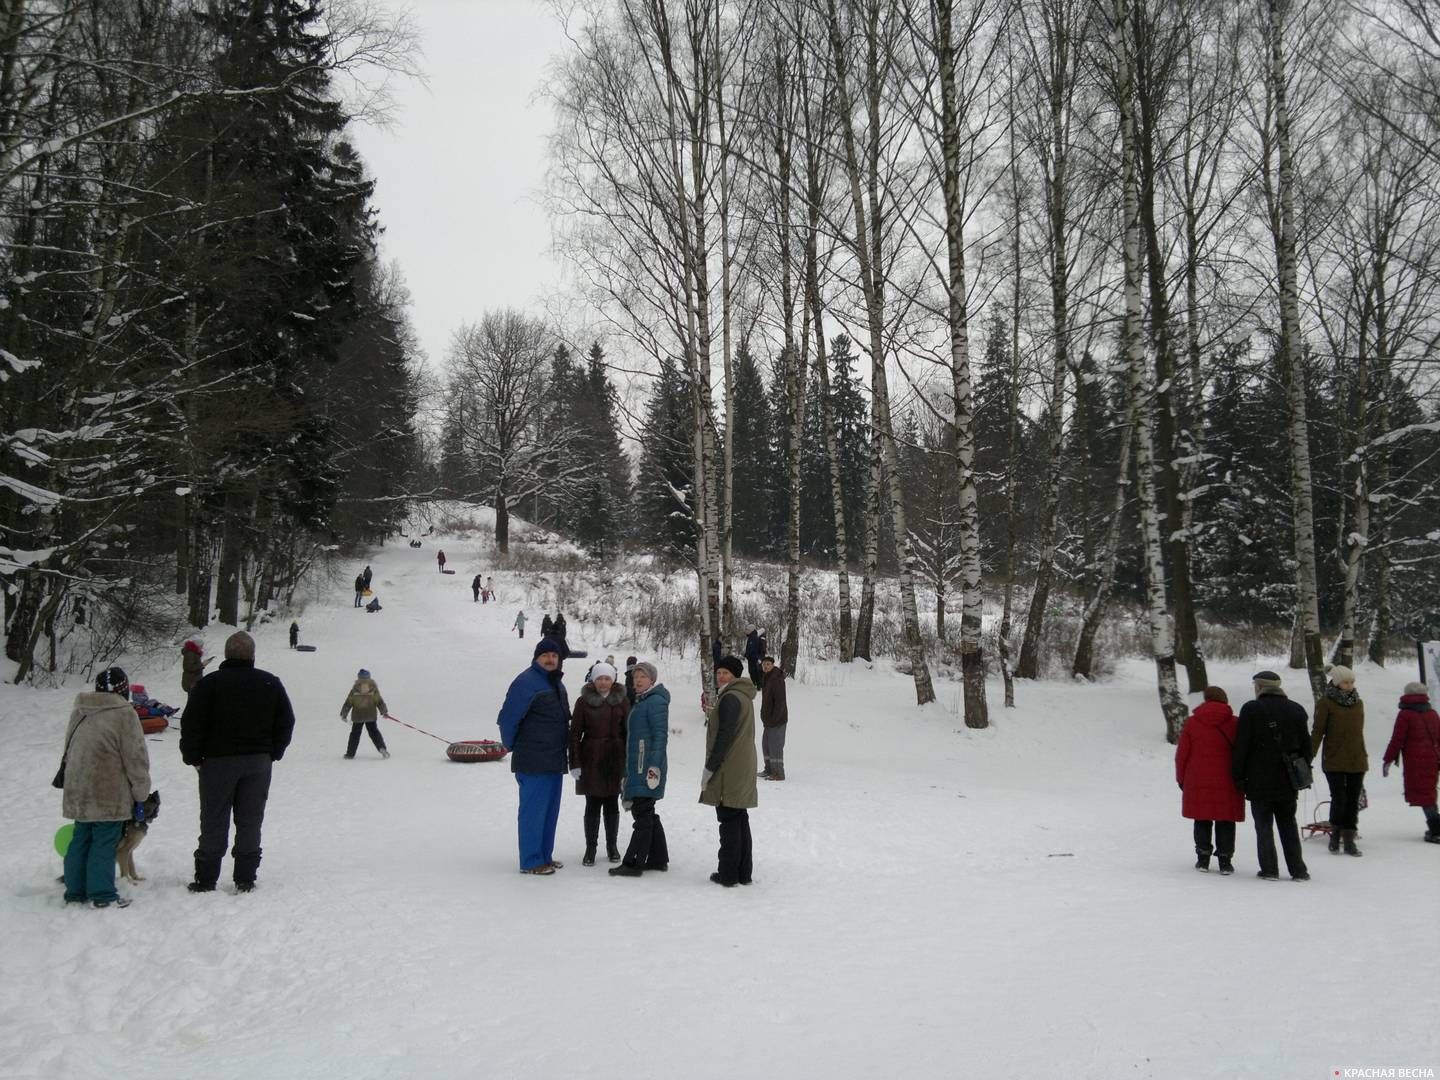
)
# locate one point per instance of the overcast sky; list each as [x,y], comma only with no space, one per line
[459,174]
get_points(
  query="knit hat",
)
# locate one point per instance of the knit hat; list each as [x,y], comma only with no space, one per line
[548,645]
[602,670]
[192,646]
[1266,681]
[647,668]
[1217,693]
[1339,674]
[1416,689]
[363,673]
[630,662]
[731,664]
[113,680]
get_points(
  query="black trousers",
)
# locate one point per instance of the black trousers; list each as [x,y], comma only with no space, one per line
[756,675]
[735,845]
[610,806]
[232,785]
[647,849]
[1224,838]
[1270,815]
[373,727]
[1344,798]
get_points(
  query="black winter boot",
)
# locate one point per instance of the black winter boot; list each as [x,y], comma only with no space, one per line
[1349,840]
[589,859]
[1202,858]
[1226,867]
[1334,840]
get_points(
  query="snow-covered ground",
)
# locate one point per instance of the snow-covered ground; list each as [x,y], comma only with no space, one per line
[928,901]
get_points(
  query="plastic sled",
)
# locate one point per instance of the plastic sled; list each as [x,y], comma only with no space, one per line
[447,571]
[153,725]
[304,648]
[468,750]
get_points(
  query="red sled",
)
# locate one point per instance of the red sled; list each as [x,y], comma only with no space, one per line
[468,750]
[153,725]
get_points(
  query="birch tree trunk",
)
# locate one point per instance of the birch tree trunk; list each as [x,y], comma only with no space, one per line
[972,660]
[1142,390]
[1307,600]
[1094,616]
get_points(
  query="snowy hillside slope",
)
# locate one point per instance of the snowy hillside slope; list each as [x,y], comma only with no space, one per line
[929,901]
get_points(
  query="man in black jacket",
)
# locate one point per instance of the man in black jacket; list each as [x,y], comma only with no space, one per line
[238,722]
[1271,729]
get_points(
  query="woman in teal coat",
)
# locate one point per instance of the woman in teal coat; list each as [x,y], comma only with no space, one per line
[645,769]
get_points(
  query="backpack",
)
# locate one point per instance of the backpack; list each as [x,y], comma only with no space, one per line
[365,696]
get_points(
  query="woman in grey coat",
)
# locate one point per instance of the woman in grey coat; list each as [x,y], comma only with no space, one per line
[107,777]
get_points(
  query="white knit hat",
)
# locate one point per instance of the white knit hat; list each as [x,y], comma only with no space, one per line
[602,670]
[1339,674]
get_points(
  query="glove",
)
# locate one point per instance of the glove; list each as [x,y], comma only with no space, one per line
[705,778]
[575,774]
[1385,769]
[140,812]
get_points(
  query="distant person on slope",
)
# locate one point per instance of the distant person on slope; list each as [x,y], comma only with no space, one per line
[440,560]
[359,589]
[755,649]
[1209,796]
[294,634]
[238,723]
[558,632]
[547,625]
[774,716]
[192,667]
[363,707]
[519,624]
[728,782]
[374,605]
[630,693]
[597,756]
[366,575]
[1416,744]
[1340,725]
[647,732]
[535,726]
[1270,728]
[475,587]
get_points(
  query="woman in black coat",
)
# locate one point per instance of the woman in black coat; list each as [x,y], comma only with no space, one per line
[597,757]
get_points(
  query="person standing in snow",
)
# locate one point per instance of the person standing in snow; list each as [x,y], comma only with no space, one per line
[192,667]
[630,693]
[559,633]
[360,588]
[774,716]
[519,624]
[238,723]
[1416,744]
[597,757]
[1209,796]
[294,634]
[647,730]
[365,576]
[1340,725]
[728,782]
[535,726]
[475,587]
[547,625]
[1270,728]
[107,779]
[755,649]
[363,707]
[490,587]
[440,560]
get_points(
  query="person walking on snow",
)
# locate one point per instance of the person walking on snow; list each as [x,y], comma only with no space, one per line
[106,768]
[519,625]
[360,588]
[475,587]
[647,730]
[1340,725]
[294,634]
[558,632]
[365,576]
[440,559]
[755,649]
[774,716]
[1270,728]
[1415,743]
[547,625]
[1209,796]
[238,723]
[363,707]
[535,727]
[728,782]
[597,757]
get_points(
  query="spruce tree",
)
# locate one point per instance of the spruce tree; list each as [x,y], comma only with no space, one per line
[754,442]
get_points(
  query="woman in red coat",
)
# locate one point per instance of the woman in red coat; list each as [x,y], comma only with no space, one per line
[1416,743]
[1202,769]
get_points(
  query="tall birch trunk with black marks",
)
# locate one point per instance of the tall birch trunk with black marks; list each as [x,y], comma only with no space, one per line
[972,660]
[1292,354]
[727,523]
[1099,602]
[1380,620]
[870,566]
[1142,390]
[1059,82]
[866,246]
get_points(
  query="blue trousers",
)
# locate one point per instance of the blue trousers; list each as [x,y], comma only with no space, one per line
[90,861]
[538,816]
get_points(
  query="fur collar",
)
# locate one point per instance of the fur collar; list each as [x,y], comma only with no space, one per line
[591,696]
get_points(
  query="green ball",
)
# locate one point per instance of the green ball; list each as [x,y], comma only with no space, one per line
[63,836]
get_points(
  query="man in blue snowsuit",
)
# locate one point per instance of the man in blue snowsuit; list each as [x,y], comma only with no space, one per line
[535,727]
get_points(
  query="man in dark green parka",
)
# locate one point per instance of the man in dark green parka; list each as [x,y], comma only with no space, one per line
[728,783]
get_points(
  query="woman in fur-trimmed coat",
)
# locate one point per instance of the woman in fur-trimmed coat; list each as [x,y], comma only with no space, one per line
[597,756]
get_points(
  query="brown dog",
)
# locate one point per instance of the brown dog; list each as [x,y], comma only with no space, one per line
[131,836]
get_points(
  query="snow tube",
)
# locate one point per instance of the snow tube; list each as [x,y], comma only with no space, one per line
[153,725]
[475,750]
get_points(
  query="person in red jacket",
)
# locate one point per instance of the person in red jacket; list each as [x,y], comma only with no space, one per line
[1416,744]
[440,558]
[1202,769]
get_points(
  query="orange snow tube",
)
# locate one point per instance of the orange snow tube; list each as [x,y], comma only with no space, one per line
[153,725]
